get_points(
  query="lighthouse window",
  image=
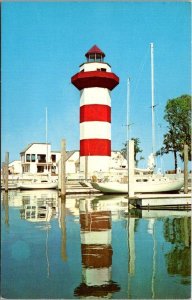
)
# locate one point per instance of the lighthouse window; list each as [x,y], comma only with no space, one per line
[102,70]
[98,57]
[92,57]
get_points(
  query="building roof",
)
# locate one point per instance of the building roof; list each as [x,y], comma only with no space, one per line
[70,153]
[55,151]
[95,50]
[29,145]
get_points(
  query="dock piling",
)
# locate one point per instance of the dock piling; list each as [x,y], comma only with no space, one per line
[86,167]
[131,169]
[63,171]
[185,169]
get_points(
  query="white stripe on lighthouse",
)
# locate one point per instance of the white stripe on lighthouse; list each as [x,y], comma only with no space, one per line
[97,276]
[95,163]
[96,130]
[96,237]
[95,95]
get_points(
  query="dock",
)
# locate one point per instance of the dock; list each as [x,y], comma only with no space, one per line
[80,188]
[72,188]
[162,201]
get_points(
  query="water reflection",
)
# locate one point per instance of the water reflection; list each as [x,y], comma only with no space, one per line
[6,208]
[178,233]
[176,229]
[92,247]
[38,206]
[96,251]
[62,225]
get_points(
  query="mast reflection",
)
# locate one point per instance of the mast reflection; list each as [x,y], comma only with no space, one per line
[6,208]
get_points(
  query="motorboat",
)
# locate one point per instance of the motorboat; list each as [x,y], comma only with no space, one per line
[152,184]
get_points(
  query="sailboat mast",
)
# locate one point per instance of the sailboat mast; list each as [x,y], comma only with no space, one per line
[128,127]
[128,109]
[46,135]
[152,99]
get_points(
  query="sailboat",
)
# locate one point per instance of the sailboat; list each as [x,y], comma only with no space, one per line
[154,183]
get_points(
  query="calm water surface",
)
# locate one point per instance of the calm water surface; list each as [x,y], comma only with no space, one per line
[91,247]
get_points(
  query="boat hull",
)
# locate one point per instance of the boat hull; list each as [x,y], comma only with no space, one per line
[141,187]
[38,186]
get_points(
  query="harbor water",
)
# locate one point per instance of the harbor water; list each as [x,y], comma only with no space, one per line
[92,247]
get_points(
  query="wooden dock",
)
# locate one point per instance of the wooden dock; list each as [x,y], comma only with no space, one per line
[161,201]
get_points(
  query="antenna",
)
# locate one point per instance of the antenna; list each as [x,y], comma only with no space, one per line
[152,99]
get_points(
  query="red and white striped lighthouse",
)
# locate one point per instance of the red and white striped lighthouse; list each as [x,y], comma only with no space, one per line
[95,82]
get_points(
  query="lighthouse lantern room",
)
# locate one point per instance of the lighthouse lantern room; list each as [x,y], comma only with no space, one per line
[95,81]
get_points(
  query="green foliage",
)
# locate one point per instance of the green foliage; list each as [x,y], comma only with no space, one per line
[178,117]
[137,150]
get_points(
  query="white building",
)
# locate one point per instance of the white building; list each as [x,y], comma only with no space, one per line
[38,158]
[15,167]
[72,162]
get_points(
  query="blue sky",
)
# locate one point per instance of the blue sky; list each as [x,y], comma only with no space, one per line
[43,44]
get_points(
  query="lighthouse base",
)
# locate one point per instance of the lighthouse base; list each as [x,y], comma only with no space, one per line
[94,164]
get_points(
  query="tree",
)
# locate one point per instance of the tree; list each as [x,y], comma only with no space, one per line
[178,116]
[136,150]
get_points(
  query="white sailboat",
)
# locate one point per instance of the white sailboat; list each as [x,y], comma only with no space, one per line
[150,184]
[144,184]
[39,184]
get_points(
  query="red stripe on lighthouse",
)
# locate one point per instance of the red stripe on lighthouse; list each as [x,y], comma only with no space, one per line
[95,112]
[98,147]
[96,256]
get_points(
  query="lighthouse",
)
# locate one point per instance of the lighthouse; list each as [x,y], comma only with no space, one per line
[95,81]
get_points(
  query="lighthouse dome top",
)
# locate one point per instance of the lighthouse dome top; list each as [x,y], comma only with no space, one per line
[95,54]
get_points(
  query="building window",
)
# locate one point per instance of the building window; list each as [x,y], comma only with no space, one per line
[53,169]
[27,157]
[53,158]
[33,157]
[26,169]
[40,169]
[41,158]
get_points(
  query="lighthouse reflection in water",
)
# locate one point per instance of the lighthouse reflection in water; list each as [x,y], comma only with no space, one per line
[96,251]
[92,247]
